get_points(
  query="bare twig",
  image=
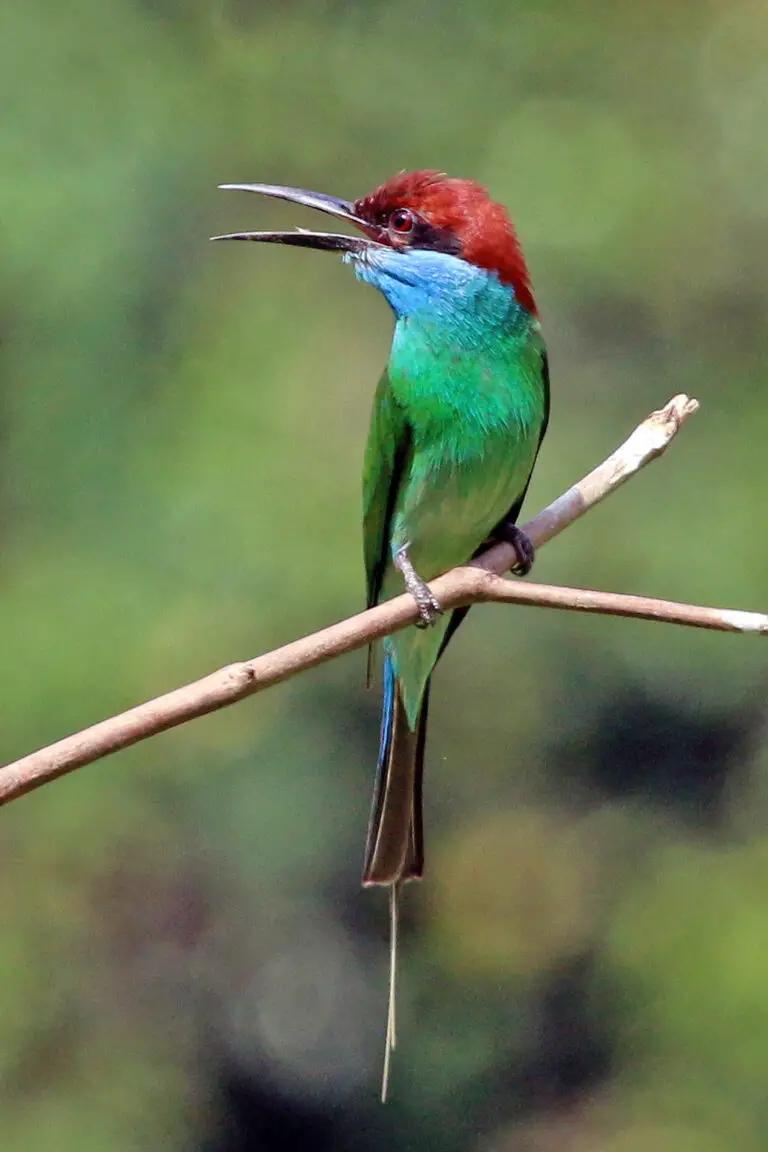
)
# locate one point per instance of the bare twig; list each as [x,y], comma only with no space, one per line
[480,582]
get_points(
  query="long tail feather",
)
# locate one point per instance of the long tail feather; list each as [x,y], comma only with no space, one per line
[391,1039]
[394,850]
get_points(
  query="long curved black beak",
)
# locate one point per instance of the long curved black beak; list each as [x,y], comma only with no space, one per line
[332,205]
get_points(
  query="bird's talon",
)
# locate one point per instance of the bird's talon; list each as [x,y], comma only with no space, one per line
[429,609]
[522,544]
[429,606]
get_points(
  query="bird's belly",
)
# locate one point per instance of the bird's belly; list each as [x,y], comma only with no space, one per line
[445,511]
[450,511]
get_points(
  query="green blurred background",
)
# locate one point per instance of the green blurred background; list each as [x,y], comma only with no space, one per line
[186,960]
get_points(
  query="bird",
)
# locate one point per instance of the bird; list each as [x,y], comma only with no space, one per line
[458,418]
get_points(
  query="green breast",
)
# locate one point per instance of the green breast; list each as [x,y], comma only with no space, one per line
[476,411]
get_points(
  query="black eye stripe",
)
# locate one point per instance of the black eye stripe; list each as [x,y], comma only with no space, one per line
[425,235]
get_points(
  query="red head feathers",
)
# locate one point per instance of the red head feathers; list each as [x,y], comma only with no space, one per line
[429,210]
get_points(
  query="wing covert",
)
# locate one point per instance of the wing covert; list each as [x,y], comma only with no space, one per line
[386,457]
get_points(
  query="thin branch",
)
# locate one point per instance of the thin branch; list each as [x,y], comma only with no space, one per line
[480,582]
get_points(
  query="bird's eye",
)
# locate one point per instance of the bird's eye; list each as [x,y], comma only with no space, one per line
[401,220]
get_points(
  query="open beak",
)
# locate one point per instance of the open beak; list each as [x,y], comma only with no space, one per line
[328,241]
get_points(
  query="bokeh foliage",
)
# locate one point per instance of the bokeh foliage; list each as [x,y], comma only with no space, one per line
[185,960]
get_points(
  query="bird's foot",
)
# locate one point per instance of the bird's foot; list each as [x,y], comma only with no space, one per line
[429,606]
[522,544]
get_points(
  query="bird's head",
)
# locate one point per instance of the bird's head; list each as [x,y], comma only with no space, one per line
[418,229]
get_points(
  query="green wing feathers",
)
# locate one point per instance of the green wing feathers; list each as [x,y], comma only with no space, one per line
[386,455]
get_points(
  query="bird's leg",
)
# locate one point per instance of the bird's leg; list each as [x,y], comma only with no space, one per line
[429,606]
[522,544]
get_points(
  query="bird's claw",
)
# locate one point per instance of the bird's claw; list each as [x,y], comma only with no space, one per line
[429,606]
[522,544]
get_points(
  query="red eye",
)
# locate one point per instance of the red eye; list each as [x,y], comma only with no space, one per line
[401,220]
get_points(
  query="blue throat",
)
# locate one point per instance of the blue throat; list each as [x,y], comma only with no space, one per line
[440,290]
